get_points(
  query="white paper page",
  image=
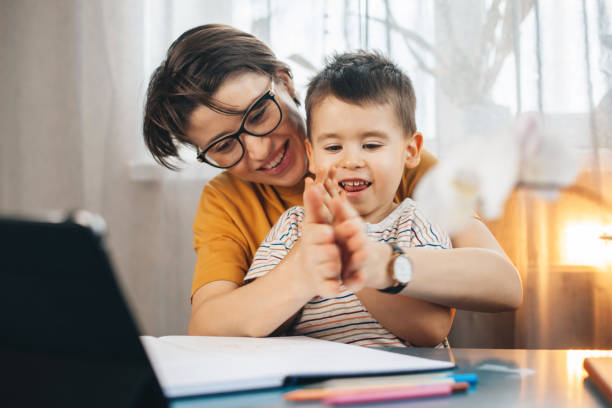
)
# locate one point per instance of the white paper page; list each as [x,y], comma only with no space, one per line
[238,363]
[184,372]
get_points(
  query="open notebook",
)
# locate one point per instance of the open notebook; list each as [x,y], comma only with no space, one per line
[189,365]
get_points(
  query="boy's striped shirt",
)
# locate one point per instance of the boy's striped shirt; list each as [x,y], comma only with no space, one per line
[344,318]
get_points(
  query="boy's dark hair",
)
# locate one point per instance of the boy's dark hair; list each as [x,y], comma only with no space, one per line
[196,65]
[364,77]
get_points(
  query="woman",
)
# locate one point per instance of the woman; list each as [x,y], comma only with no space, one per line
[223,92]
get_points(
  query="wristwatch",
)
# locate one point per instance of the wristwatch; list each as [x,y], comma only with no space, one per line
[400,269]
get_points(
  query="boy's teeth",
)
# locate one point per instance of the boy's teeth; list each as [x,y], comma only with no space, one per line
[353,183]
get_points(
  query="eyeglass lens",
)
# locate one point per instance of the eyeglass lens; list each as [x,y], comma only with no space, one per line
[261,119]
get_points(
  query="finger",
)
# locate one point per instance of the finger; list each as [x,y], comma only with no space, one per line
[354,264]
[355,243]
[348,229]
[327,198]
[342,210]
[326,214]
[331,183]
[308,182]
[331,188]
[354,261]
[325,210]
[320,175]
[313,205]
[340,190]
[358,258]
[342,196]
[329,270]
[329,254]
[326,183]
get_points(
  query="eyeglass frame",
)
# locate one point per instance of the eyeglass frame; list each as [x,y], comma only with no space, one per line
[269,94]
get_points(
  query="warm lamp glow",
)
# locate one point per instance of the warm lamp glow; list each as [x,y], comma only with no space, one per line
[575,359]
[582,244]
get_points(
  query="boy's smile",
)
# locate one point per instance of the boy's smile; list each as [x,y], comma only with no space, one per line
[353,186]
[369,149]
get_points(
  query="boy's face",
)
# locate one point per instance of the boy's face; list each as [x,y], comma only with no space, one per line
[369,149]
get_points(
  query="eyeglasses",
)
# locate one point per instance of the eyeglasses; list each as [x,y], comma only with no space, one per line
[260,119]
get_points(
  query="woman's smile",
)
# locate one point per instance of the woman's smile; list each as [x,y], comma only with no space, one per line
[278,162]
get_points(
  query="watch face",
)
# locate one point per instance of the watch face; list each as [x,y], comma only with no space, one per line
[402,269]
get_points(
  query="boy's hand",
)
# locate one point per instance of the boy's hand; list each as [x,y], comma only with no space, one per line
[351,237]
[325,180]
[319,255]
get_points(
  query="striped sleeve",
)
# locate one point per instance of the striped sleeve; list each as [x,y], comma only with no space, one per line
[426,234]
[277,244]
[419,231]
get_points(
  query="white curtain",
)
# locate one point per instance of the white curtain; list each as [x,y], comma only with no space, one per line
[72,77]
[74,73]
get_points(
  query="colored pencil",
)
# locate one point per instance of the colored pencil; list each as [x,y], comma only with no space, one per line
[331,388]
[321,393]
[427,391]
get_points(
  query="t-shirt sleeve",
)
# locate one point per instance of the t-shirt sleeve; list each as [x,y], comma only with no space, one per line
[426,234]
[277,244]
[222,250]
[418,232]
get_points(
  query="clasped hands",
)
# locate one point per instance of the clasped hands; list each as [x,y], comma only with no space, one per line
[334,247]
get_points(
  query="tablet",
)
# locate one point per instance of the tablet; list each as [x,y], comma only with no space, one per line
[67,337]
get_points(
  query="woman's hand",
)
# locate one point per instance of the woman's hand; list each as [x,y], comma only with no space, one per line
[352,240]
[363,261]
[360,258]
[318,255]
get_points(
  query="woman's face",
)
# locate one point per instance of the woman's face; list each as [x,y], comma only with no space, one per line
[278,158]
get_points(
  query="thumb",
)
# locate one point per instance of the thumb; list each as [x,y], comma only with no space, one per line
[313,203]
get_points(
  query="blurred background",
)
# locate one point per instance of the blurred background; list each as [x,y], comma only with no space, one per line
[73,75]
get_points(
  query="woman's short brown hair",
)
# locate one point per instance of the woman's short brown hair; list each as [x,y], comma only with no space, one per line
[196,65]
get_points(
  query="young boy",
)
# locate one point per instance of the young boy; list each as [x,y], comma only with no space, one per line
[361,134]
